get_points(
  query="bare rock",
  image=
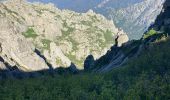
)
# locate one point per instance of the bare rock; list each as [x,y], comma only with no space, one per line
[56,57]
[16,50]
[2,66]
[63,36]
[121,38]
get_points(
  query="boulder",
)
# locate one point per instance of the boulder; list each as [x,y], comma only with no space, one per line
[121,38]
[2,66]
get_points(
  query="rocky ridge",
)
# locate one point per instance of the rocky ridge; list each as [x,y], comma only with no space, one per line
[61,36]
[135,19]
[119,56]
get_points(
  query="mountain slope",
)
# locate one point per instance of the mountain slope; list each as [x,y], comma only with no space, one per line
[133,16]
[61,36]
[118,56]
[135,19]
[147,77]
[144,77]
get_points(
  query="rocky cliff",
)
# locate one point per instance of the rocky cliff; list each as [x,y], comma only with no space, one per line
[133,16]
[118,56]
[162,22]
[34,35]
[135,19]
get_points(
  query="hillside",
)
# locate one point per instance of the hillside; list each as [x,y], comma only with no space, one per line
[136,70]
[135,19]
[133,16]
[62,37]
[147,77]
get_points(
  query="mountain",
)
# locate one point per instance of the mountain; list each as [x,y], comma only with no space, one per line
[133,16]
[135,70]
[44,36]
[118,56]
[136,18]
[78,5]
[145,75]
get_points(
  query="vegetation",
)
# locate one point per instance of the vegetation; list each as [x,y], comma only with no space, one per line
[46,43]
[87,23]
[30,33]
[150,33]
[66,35]
[75,60]
[109,36]
[145,78]
[94,18]
[59,61]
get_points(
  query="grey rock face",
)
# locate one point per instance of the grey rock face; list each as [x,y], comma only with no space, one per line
[135,19]
[133,16]
[61,36]
[2,66]
[121,38]
[16,50]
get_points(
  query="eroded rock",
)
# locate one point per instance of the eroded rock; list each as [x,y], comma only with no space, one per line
[121,38]
[16,50]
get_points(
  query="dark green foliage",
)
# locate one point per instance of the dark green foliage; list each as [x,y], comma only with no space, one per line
[144,78]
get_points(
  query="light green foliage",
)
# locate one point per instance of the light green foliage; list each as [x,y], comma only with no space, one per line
[74,44]
[109,36]
[58,61]
[75,60]
[68,31]
[150,33]
[94,18]
[66,35]
[30,33]
[87,23]
[46,43]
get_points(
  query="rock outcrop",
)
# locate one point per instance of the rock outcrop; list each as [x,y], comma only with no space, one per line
[2,66]
[121,38]
[136,18]
[62,36]
[16,51]
[118,56]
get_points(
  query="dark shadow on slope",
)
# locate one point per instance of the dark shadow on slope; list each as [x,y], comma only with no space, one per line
[14,72]
[89,62]
[10,68]
[20,74]
[116,56]
[42,56]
